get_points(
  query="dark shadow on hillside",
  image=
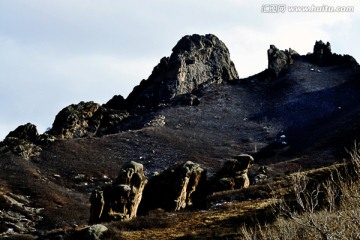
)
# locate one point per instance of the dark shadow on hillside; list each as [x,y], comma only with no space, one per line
[322,118]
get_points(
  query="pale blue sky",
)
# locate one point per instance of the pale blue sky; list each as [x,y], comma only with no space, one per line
[57,52]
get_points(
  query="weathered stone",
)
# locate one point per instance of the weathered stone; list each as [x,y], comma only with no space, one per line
[119,201]
[279,61]
[93,232]
[196,61]
[76,120]
[234,173]
[23,141]
[260,178]
[175,188]
[17,216]
[97,206]
[86,119]
[27,132]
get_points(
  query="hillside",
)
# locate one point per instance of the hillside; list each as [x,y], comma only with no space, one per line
[298,114]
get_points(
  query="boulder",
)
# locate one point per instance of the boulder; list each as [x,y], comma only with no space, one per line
[234,173]
[175,188]
[279,61]
[120,200]
[196,61]
[94,232]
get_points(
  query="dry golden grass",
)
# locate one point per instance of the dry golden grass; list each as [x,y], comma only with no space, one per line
[221,222]
[325,205]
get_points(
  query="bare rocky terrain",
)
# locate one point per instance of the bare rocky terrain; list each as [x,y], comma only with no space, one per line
[301,113]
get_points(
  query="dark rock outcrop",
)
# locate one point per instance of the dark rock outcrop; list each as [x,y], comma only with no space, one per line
[279,61]
[196,61]
[119,201]
[234,173]
[322,55]
[76,120]
[117,102]
[322,52]
[86,119]
[25,141]
[175,188]
[110,120]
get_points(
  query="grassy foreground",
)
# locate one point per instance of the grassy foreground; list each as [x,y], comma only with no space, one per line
[317,204]
[324,205]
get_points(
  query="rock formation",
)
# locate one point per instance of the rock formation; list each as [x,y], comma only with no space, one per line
[76,120]
[279,61]
[175,188]
[25,141]
[86,119]
[17,214]
[323,56]
[322,52]
[234,173]
[196,61]
[120,200]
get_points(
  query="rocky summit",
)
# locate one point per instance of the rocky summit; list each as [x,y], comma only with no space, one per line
[193,152]
[196,62]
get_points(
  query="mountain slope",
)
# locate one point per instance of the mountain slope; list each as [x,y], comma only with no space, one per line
[300,118]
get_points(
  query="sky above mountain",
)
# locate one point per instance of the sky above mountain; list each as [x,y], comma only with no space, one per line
[56,53]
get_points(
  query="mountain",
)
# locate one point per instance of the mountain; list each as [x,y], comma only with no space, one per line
[298,114]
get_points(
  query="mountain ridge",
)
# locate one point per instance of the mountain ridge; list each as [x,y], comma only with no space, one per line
[299,113]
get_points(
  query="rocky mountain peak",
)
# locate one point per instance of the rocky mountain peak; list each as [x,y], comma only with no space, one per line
[196,61]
